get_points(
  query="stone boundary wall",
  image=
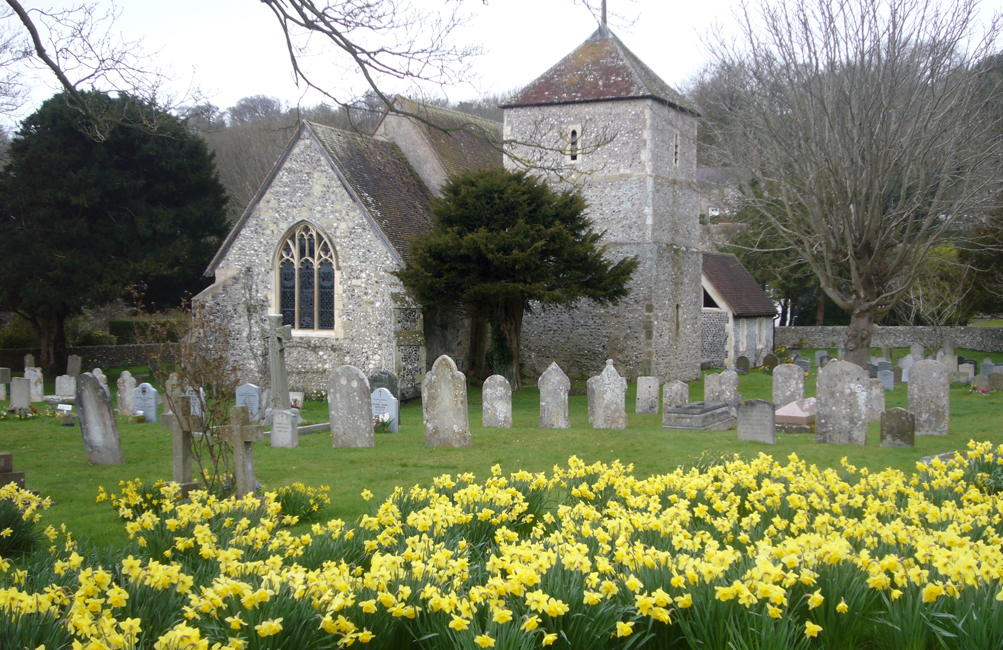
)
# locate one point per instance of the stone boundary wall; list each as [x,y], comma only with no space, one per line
[983,339]
[92,356]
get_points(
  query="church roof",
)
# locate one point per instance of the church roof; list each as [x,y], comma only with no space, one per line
[600,69]
[737,286]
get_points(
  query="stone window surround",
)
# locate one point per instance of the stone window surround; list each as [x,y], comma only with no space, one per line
[577,130]
[336,333]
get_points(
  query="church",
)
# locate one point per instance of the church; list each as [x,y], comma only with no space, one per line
[337,212]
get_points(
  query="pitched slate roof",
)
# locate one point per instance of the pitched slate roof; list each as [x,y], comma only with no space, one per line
[738,288]
[463,142]
[600,69]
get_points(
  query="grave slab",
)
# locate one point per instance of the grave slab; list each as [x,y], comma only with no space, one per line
[701,416]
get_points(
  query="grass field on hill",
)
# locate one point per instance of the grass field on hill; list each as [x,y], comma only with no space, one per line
[53,456]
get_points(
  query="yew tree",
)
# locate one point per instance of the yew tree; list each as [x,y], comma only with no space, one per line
[502,240]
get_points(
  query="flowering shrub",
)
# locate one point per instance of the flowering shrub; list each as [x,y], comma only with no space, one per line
[735,554]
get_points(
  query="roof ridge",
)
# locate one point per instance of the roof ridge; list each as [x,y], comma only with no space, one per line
[451,111]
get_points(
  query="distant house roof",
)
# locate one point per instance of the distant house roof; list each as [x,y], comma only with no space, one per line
[600,69]
[738,288]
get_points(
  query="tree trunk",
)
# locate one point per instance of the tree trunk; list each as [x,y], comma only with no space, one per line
[820,309]
[52,332]
[858,337]
[508,319]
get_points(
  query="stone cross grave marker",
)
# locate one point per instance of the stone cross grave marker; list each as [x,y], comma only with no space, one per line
[647,395]
[350,407]
[29,361]
[742,363]
[995,381]
[276,334]
[930,397]
[788,384]
[73,365]
[875,399]
[97,422]
[757,421]
[146,399]
[4,380]
[385,404]
[554,386]
[99,374]
[182,423]
[898,428]
[496,403]
[242,435]
[887,377]
[285,429]
[249,395]
[385,379]
[172,395]
[770,361]
[444,405]
[610,393]
[66,385]
[841,413]
[126,394]
[36,385]
[675,393]
[20,393]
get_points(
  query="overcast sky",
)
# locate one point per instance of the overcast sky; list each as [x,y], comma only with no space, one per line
[234,48]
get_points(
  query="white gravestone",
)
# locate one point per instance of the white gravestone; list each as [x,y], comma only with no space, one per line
[444,405]
[197,402]
[841,414]
[647,395]
[496,403]
[66,385]
[36,385]
[20,393]
[285,429]
[875,399]
[610,394]
[887,378]
[249,395]
[554,386]
[146,399]
[757,421]
[4,380]
[350,407]
[99,374]
[126,395]
[385,404]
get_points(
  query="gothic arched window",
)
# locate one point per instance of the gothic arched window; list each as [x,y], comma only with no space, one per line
[574,144]
[308,280]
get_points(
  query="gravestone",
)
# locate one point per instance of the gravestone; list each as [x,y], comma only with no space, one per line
[146,400]
[824,359]
[590,393]
[276,334]
[350,406]
[20,393]
[804,364]
[949,360]
[496,403]
[872,370]
[700,416]
[995,381]
[742,363]
[712,388]
[197,398]
[875,400]
[986,368]
[788,384]
[444,405]
[841,410]
[841,352]
[897,375]
[887,377]
[29,361]
[73,365]
[907,361]
[66,385]
[676,393]
[7,473]
[886,352]
[68,418]
[242,435]
[948,346]
[285,428]
[898,428]
[99,374]
[385,379]
[756,421]
[4,380]
[930,397]
[770,361]
[797,417]
[647,395]
[818,356]
[126,395]
[729,388]
[36,383]
[249,395]
[980,382]
[917,351]
[884,365]
[182,424]
[610,394]
[384,403]
[97,422]
[554,386]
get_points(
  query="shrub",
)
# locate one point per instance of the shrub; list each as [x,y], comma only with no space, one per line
[19,334]
[95,337]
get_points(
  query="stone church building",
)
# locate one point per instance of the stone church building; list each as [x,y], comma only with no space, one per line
[338,210]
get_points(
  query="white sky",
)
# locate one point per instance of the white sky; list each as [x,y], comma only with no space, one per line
[234,48]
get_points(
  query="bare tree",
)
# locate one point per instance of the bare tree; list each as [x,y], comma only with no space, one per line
[857,123]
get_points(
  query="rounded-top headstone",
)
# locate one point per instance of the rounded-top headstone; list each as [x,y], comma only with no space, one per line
[743,364]
[554,386]
[350,408]
[444,405]
[496,403]
[385,379]
[841,415]
[930,397]
[770,361]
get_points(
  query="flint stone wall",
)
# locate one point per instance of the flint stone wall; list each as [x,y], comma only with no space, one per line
[92,356]
[985,339]
[713,339]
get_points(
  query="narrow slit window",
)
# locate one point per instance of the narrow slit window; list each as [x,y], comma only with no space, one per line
[574,144]
[675,151]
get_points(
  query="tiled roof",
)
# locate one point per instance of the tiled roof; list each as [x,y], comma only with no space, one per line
[738,288]
[463,142]
[383,181]
[600,69]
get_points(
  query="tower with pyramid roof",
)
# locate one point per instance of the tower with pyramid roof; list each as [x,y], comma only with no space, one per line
[603,121]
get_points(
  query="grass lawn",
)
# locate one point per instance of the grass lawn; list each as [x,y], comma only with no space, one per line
[53,456]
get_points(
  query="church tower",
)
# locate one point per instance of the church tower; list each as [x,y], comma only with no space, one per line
[602,121]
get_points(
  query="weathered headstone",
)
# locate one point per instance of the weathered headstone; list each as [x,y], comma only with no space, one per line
[884,365]
[770,361]
[146,400]
[249,395]
[444,405]
[700,416]
[73,365]
[887,377]
[797,417]
[285,428]
[97,422]
[996,381]
[4,380]
[756,421]
[554,386]
[385,379]
[804,364]
[788,384]
[675,393]
[872,370]
[742,363]
[917,351]
[841,351]
[818,356]
[20,393]
[969,366]
[590,393]
[242,436]
[36,383]
[898,428]
[886,352]
[841,414]
[276,334]
[647,395]
[386,405]
[930,397]
[712,388]
[29,361]
[496,403]
[7,473]
[610,399]
[897,375]
[824,359]
[66,385]
[350,406]
[986,368]
[126,395]
[875,400]
[949,360]
[729,388]
[979,382]
[99,374]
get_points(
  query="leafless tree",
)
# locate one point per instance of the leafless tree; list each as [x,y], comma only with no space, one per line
[856,128]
